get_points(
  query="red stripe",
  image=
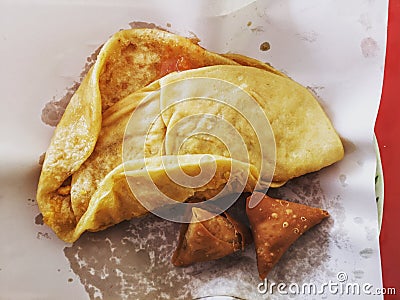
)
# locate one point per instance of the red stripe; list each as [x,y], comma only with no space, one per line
[387,129]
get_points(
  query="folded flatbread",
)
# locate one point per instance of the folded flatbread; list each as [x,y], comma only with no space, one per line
[95,150]
[276,224]
[127,62]
[214,238]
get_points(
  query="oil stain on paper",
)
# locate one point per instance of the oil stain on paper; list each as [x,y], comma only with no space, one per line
[54,109]
[132,260]
[369,47]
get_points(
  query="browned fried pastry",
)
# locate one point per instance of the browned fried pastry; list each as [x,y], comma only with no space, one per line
[211,239]
[276,224]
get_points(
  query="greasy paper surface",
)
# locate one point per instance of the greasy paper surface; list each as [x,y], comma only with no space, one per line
[334,47]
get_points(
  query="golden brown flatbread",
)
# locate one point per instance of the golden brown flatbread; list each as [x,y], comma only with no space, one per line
[276,224]
[304,136]
[83,184]
[127,62]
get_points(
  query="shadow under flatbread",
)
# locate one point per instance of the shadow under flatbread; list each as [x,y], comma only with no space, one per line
[132,259]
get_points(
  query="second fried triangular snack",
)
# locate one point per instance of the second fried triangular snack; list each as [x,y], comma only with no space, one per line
[211,239]
[276,224]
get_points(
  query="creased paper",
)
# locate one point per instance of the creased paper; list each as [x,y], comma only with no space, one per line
[335,48]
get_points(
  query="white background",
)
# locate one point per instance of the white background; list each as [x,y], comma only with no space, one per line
[336,47]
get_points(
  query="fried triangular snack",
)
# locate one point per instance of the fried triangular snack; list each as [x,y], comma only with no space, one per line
[210,239]
[276,224]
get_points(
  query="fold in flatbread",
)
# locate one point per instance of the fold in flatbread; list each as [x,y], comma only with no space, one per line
[127,62]
[305,138]
[214,238]
[276,224]
[84,179]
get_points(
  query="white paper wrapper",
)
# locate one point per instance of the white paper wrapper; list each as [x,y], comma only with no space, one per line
[336,48]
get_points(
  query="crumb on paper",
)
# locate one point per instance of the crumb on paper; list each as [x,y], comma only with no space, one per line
[265,46]
[39,219]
